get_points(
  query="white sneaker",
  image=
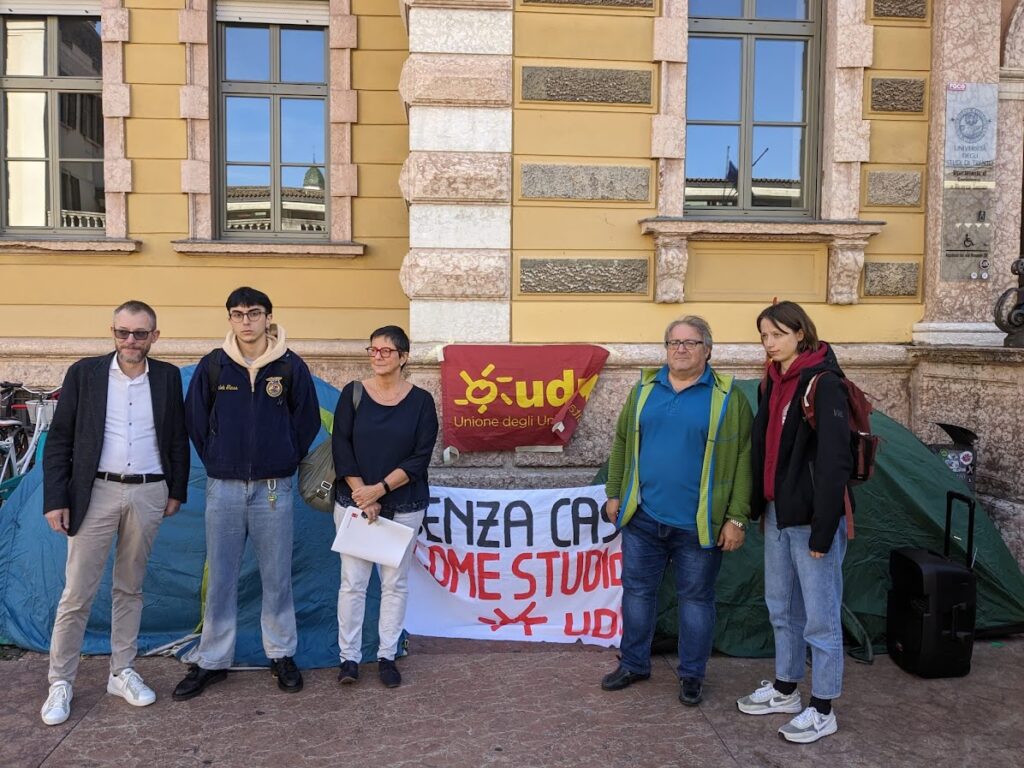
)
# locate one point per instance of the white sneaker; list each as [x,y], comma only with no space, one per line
[809,726]
[768,701]
[129,686]
[58,703]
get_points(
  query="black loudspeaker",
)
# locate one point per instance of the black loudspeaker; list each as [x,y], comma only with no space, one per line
[932,606]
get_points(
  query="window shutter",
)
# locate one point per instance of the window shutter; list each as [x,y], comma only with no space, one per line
[51,7]
[295,12]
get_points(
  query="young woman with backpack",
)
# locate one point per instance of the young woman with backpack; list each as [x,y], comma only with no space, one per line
[800,476]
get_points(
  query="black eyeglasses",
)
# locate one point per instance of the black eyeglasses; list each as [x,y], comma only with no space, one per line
[253,315]
[384,352]
[689,344]
[123,333]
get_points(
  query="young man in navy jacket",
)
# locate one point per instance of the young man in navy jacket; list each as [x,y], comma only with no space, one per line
[252,413]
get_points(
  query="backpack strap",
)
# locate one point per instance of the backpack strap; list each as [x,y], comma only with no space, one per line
[357,394]
[212,360]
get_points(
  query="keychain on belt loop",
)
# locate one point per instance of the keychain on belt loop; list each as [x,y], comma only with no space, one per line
[272,492]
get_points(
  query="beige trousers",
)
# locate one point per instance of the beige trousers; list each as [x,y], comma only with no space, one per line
[133,512]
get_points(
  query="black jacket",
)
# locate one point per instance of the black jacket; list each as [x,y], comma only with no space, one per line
[71,456]
[814,466]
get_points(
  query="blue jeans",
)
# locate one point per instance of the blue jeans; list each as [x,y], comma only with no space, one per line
[647,546]
[236,510]
[804,596]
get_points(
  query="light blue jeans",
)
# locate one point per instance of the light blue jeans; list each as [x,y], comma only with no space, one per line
[804,596]
[236,510]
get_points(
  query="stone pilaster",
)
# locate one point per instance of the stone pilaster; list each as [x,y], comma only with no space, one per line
[117,170]
[457,180]
[965,49]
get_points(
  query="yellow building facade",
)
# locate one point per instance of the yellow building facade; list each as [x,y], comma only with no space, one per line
[522,171]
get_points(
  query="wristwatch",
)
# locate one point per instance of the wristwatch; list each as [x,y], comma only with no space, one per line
[737,523]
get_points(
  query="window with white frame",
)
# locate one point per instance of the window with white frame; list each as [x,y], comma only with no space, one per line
[751,107]
[272,130]
[51,111]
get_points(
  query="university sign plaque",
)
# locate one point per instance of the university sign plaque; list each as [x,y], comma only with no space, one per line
[968,180]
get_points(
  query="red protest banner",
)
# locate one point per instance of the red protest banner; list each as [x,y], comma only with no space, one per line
[497,398]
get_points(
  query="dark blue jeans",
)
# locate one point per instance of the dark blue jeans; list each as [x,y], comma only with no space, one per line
[647,547]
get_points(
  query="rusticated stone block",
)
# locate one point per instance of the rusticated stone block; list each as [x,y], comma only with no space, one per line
[901,9]
[897,94]
[596,3]
[583,276]
[891,278]
[894,188]
[454,273]
[585,182]
[457,177]
[587,85]
[456,79]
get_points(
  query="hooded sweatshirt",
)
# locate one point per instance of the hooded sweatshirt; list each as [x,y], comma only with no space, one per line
[813,466]
[263,417]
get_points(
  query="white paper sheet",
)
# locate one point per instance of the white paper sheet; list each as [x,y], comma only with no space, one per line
[384,541]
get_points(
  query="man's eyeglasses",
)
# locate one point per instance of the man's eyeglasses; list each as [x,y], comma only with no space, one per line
[253,315]
[124,333]
[689,344]
[384,352]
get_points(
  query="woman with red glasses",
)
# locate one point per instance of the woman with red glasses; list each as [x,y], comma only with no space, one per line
[384,433]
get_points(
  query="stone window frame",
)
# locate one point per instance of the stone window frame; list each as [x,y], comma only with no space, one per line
[196,27]
[809,31]
[844,146]
[117,169]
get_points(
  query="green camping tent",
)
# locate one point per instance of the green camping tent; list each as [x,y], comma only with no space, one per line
[904,504]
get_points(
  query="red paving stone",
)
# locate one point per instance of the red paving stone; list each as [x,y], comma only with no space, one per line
[471,703]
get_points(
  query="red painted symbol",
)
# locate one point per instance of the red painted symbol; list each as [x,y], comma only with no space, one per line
[524,618]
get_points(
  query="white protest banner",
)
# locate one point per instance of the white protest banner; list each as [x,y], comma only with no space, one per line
[517,565]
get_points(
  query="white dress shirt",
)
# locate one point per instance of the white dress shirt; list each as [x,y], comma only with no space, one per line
[129,434]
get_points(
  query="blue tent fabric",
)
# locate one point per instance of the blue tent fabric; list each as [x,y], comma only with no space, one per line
[32,559]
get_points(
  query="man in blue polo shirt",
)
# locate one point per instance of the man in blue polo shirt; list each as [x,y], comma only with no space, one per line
[679,487]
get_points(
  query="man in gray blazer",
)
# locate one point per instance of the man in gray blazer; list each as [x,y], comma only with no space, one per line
[116,461]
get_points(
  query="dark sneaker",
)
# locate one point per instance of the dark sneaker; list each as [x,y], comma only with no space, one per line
[389,674]
[349,672]
[620,678]
[289,679]
[196,681]
[691,691]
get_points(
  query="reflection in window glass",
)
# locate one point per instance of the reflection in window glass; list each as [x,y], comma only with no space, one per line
[302,199]
[26,124]
[302,56]
[248,129]
[80,49]
[779,80]
[248,198]
[716,8]
[777,167]
[25,44]
[713,78]
[247,53]
[781,9]
[81,125]
[82,204]
[712,153]
[26,194]
[302,130]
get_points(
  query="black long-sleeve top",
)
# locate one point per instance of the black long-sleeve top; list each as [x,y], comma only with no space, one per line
[376,439]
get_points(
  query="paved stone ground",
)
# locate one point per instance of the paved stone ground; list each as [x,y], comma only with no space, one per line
[507,704]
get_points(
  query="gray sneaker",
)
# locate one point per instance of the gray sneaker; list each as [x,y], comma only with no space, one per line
[768,701]
[809,726]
